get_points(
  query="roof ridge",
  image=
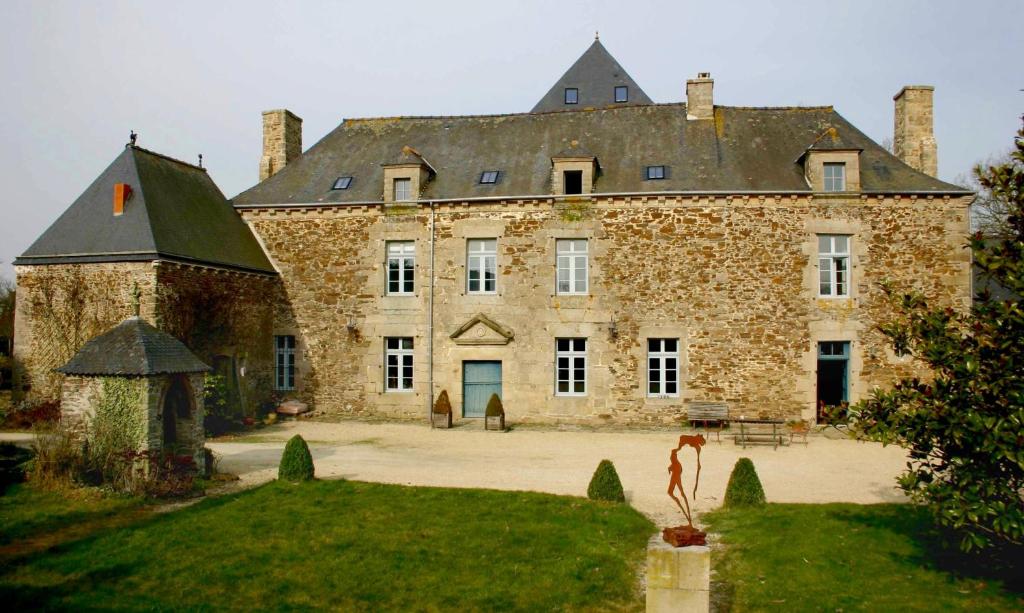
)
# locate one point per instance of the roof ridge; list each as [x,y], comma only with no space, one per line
[166,157]
[589,109]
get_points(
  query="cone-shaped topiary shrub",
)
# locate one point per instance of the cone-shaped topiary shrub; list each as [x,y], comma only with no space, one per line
[442,405]
[296,462]
[605,484]
[744,489]
[494,407]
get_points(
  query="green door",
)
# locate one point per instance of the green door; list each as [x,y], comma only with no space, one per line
[479,381]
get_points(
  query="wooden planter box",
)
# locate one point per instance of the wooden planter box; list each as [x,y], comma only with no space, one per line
[441,420]
[495,423]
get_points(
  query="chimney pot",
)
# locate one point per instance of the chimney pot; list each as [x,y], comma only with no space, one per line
[700,102]
[913,129]
[282,141]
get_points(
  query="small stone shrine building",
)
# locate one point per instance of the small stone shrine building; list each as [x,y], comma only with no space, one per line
[142,380]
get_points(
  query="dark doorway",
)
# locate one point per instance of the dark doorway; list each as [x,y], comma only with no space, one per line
[177,410]
[573,181]
[833,379]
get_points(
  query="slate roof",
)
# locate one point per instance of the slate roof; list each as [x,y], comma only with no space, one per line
[742,149]
[595,75]
[133,348]
[176,212]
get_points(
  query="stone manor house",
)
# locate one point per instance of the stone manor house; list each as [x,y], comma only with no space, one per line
[600,258]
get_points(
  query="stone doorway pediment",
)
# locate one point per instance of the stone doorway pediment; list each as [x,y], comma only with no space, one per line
[482,330]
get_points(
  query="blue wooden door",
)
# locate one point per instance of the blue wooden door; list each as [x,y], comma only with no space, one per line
[479,381]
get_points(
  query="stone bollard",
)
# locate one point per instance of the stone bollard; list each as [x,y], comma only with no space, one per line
[678,578]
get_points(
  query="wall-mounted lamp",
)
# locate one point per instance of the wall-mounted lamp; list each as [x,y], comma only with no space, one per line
[350,325]
[613,329]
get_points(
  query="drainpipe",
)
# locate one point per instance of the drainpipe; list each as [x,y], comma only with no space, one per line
[430,325]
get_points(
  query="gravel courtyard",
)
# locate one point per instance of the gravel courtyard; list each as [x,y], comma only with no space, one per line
[561,462]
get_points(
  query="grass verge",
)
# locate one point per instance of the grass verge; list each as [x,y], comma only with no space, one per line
[854,558]
[351,546]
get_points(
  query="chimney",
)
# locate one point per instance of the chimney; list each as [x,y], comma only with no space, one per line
[913,138]
[699,102]
[122,193]
[282,141]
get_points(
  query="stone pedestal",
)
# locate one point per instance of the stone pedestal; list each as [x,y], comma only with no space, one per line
[678,578]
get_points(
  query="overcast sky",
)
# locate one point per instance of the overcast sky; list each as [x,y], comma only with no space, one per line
[193,77]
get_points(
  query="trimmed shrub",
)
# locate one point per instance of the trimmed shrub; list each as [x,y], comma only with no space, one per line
[494,407]
[605,484]
[296,462]
[744,489]
[443,406]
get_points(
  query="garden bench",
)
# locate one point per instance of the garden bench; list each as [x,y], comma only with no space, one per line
[707,412]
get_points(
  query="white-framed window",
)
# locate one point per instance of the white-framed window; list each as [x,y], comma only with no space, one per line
[398,364]
[833,265]
[482,265]
[835,177]
[403,189]
[284,362]
[571,367]
[573,266]
[621,93]
[663,367]
[401,268]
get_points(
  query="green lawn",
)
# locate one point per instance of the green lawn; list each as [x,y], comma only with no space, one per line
[847,557]
[28,513]
[352,546]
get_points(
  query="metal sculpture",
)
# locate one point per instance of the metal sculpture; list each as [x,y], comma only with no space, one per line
[682,536]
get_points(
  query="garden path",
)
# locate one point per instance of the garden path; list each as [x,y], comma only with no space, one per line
[562,461]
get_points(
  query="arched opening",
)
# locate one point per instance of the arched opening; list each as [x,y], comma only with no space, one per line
[177,413]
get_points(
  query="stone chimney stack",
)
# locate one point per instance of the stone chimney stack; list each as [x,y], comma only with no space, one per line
[913,138]
[699,102]
[282,141]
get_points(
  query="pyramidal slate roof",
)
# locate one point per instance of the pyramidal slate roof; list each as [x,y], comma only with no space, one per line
[133,348]
[175,212]
[740,150]
[594,75]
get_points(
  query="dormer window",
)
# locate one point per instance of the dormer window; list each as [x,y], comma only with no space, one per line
[572,95]
[403,189]
[621,93]
[573,181]
[342,183]
[489,177]
[835,176]
[653,173]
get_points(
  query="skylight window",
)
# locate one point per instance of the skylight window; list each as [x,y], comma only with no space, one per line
[489,176]
[621,93]
[655,172]
[342,183]
[572,95]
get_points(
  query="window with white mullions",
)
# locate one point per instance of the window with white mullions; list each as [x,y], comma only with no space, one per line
[663,367]
[398,364]
[482,266]
[403,189]
[835,177]
[572,266]
[284,362]
[401,268]
[833,265]
[571,367]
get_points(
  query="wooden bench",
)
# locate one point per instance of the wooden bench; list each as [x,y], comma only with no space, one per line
[707,412]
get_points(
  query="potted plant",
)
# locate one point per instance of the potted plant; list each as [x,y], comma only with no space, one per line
[494,416]
[441,416]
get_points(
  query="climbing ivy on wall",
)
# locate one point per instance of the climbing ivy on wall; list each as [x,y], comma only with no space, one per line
[120,421]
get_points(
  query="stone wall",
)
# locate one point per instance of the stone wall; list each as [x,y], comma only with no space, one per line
[60,307]
[734,278]
[226,318]
[282,141]
[913,129]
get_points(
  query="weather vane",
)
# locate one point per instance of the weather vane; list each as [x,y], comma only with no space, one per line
[683,536]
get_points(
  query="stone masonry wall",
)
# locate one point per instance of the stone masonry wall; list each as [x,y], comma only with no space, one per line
[734,278]
[60,307]
[226,318]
